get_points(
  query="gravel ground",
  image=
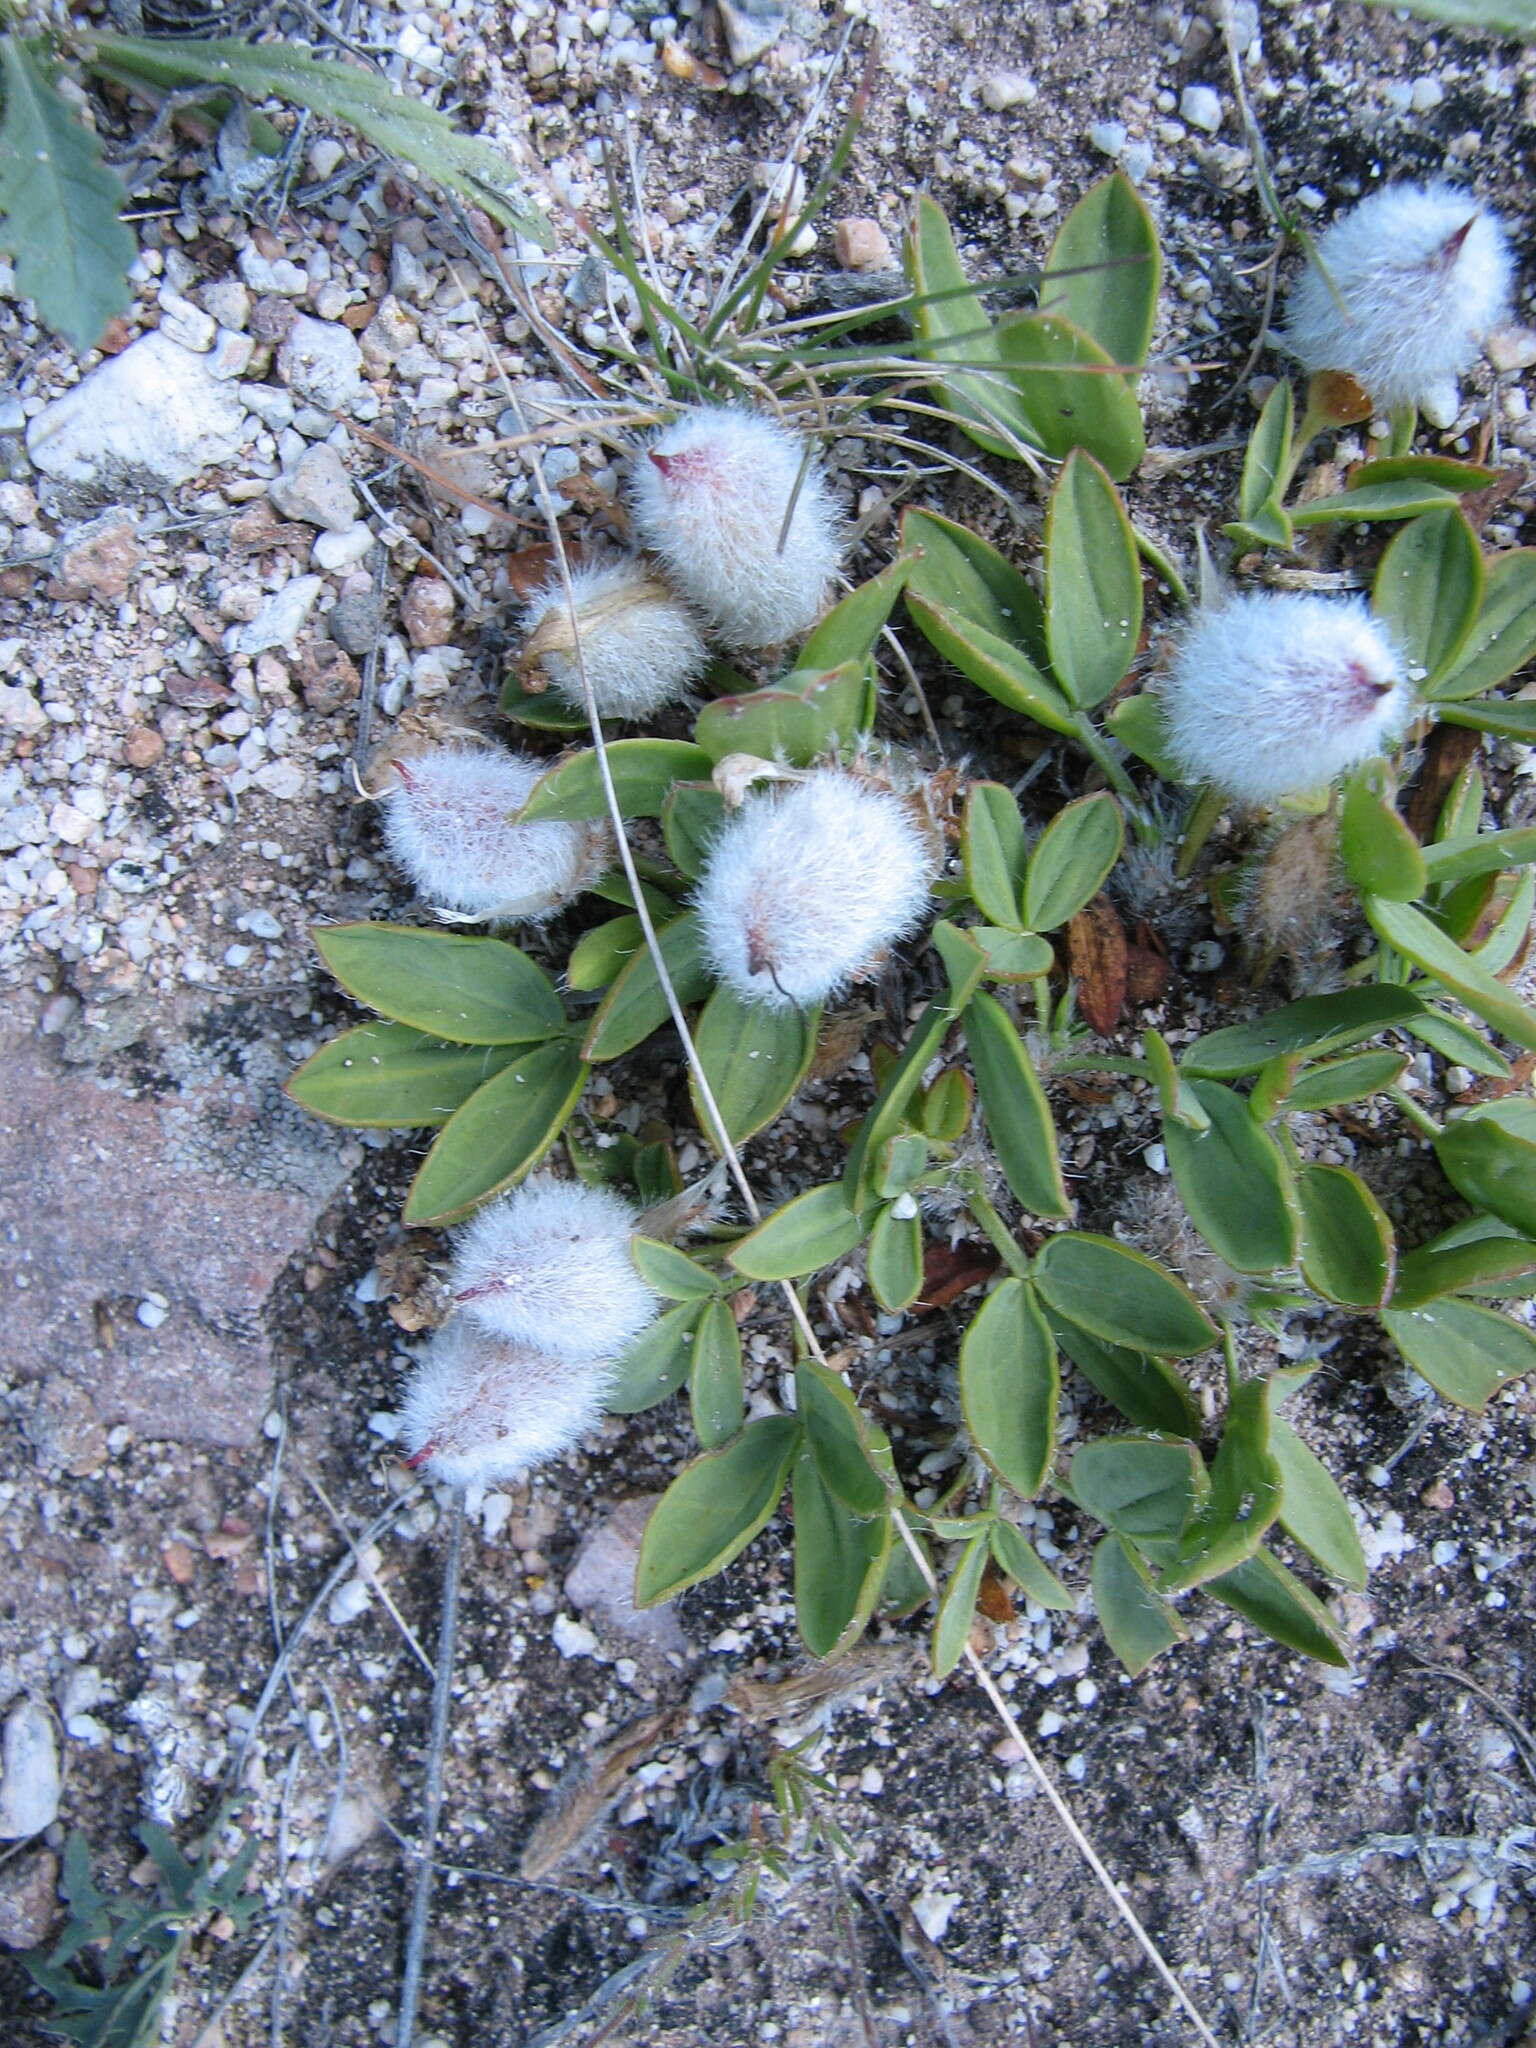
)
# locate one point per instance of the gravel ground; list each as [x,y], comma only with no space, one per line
[221,584]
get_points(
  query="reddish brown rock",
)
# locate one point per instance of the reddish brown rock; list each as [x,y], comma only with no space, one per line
[100,562]
[426,611]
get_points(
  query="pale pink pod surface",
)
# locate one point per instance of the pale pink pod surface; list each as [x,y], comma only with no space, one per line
[641,646]
[479,1408]
[808,883]
[710,495]
[448,824]
[549,1265]
[1274,694]
[1418,275]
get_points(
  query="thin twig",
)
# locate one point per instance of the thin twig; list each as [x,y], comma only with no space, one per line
[368,1575]
[432,1801]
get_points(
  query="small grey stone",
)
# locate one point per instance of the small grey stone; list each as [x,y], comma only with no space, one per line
[186,323]
[321,362]
[1201,108]
[272,407]
[271,274]
[335,552]
[228,301]
[20,711]
[29,1780]
[147,419]
[751,27]
[317,490]
[409,277]
[279,621]
[1001,90]
[29,1888]
[355,622]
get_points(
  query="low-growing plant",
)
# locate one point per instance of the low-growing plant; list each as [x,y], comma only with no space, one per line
[136,1943]
[475,1037]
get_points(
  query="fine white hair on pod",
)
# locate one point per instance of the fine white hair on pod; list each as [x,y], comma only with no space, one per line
[478,1408]
[1405,286]
[640,645]
[549,1266]
[1272,694]
[447,823]
[709,497]
[808,884]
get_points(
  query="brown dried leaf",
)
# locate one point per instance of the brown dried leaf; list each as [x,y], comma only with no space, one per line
[950,1270]
[994,1599]
[589,1786]
[1446,752]
[1098,961]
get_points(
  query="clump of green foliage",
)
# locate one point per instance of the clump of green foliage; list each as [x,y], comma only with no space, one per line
[137,1942]
[476,1038]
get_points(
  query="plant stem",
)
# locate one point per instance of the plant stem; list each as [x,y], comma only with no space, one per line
[1003,1241]
[1092,742]
[1102,1063]
[432,1802]
[1209,805]
[1421,1120]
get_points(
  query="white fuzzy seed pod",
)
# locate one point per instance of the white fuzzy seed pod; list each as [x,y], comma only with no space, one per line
[1272,694]
[447,824]
[807,885]
[640,646]
[549,1266]
[709,497]
[478,1408]
[1423,272]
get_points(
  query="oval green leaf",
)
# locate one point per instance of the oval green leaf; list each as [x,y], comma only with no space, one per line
[1012,956]
[393,1076]
[1092,583]
[1267,458]
[993,664]
[691,818]
[896,1256]
[848,1449]
[1379,852]
[1316,1025]
[713,1509]
[755,1057]
[1117,1294]
[808,1233]
[951,324]
[601,955]
[994,847]
[1428,588]
[636,1005]
[672,1272]
[1312,1509]
[1465,1351]
[1264,1592]
[1138,1625]
[1071,860]
[833,711]
[1417,939]
[1142,1488]
[657,1363]
[841,1562]
[1014,1105]
[1072,391]
[849,631]
[714,1382]
[1503,635]
[1347,1250]
[500,1134]
[1234,1181]
[960,572]
[473,990]
[1105,268]
[1335,1082]
[1488,1154]
[643,771]
[1010,1385]
[952,1625]
[1148,1391]
[1013,1553]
